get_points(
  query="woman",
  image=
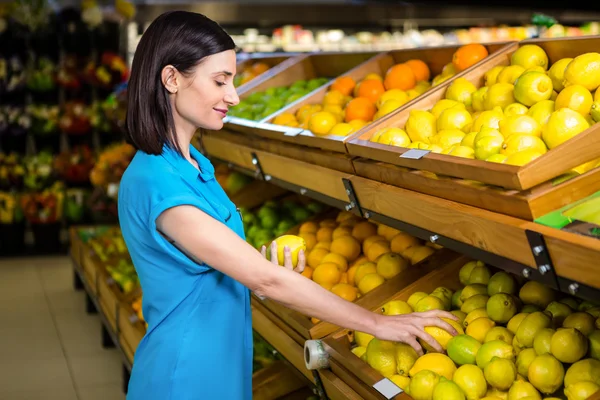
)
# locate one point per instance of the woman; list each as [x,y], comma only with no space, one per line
[186,238]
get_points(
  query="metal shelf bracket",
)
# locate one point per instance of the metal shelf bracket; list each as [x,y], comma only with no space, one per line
[259,174]
[541,256]
[354,205]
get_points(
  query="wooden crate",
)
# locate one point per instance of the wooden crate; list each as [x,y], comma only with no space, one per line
[528,204]
[375,298]
[435,57]
[358,374]
[131,330]
[274,61]
[317,65]
[579,150]
[275,381]
[110,295]
[91,265]
[76,247]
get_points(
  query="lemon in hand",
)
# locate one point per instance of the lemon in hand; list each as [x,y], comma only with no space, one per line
[575,97]
[584,70]
[529,56]
[533,87]
[557,73]
[562,125]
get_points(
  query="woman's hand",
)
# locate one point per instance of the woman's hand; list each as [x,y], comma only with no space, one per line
[407,328]
[287,257]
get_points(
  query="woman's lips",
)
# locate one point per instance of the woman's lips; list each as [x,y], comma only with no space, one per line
[221,111]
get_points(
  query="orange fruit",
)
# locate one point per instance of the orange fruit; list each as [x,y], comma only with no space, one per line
[315,256]
[360,260]
[323,245]
[370,240]
[324,234]
[331,223]
[360,108]
[341,231]
[371,89]
[352,221]
[344,278]
[468,55]
[341,262]
[350,274]
[420,69]
[400,76]
[259,67]
[362,270]
[378,249]
[320,123]
[344,85]
[363,230]
[327,274]
[346,246]
[345,291]
[420,253]
[309,227]
[309,238]
[308,272]
[403,241]
[344,215]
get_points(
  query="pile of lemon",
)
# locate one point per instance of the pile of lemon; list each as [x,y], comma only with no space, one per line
[350,256]
[523,110]
[514,342]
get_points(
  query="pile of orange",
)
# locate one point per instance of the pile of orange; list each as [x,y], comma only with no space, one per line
[349,105]
[350,256]
[250,72]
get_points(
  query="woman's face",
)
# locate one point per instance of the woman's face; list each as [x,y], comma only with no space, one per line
[203,98]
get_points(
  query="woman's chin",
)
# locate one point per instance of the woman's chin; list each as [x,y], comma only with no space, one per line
[213,126]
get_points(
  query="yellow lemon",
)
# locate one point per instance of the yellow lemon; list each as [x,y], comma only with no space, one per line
[412,94]
[542,341]
[472,290]
[454,118]
[520,125]
[499,333]
[420,126]
[595,110]
[530,55]
[495,348]
[530,326]
[497,158]
[429,303]
[491,76]
[474,315]
[441,335]
[370,282]
[480,274]
[406,357]
[362,339]
[488,119]
[445,104]
[559,312]
[381,356]
[448,137]
[415,298]
[474,302]
[465,271]
[583,370]
[357,124]
[396,307]
[584,70]
[594,346]
[460,90]
[422,385]
[478,97]
[321,123]
[562,125]
[514,109]
[363,270]
[524,360]
[500,373]
[284,119]
[487,147]
[471,380]
[439,363]
[557,73]
[546,373]
[388,107]
[495,394]
[522,390]
[523,157]
[533,87]
[542,111]
[401,381]
[447,390]
[393,94]
[575,97]
[479,328]
[517,143]
[333,97]
[461,151]
[568,345]
[358,351]
[535,293]
[582,321]
[390,265]
[510,74]
[469,140]
[499,95]
[394,137]
[341,129]
[581,390]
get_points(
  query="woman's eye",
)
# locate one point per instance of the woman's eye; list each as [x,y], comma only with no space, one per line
[220,83]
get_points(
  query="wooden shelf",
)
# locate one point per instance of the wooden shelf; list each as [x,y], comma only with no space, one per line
[495,238]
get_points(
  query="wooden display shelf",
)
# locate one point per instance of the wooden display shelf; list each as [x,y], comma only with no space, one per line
[274,61]
[328,159]
[375,298]
[574,152]
[529,204]
[574,256]
[110,296]
[435,57]
[130,329]
[357,373]
[318,65]
[275,382]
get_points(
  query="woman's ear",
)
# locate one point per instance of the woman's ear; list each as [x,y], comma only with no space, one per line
[168,76]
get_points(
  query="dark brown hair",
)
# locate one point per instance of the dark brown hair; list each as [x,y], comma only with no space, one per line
[178,38]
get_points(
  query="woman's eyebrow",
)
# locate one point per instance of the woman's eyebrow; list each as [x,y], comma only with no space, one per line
[225,72]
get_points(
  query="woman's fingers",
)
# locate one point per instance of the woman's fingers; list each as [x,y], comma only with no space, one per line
[428,339]
[440,323]
[287,258]
[274,259]
[438,314]
[301,262]
[263,251]
[412,342]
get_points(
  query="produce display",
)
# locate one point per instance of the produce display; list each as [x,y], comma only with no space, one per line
[515,340]
[249,72]
[231,181]
[524,110]
[107,244]
[276,217]
[349,105]
[260,105]
[123,273]
[111,164]
[350,256]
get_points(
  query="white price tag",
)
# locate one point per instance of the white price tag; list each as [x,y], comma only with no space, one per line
[387,388]
[112,190]
[295,132]
[133,319]
[415,154]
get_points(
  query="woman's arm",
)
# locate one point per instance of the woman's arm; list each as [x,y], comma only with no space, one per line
[214,243]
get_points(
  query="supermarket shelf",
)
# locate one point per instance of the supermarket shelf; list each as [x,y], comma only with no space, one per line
[496,239]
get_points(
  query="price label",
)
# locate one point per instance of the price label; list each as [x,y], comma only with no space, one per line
[387,388]
[415,154]
[112,190]
[133,318]
[295,132]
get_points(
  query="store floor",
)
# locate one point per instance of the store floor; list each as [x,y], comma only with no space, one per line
[49,347]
